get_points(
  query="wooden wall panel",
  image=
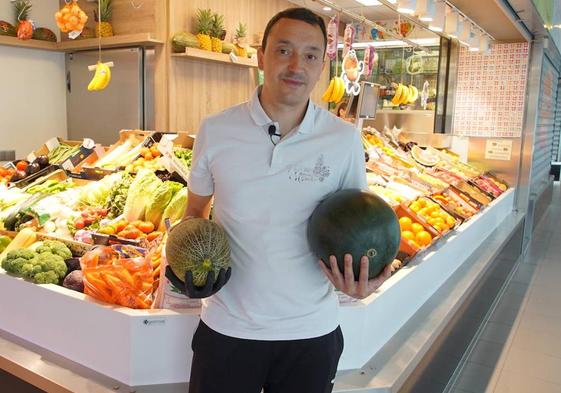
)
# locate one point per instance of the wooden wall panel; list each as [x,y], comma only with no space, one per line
[129,17]
[198,89]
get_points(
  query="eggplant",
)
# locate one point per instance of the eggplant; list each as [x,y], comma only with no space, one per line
[32,168]
[43,161]
[18,175]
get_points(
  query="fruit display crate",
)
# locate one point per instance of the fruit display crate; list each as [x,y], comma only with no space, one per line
[151,347]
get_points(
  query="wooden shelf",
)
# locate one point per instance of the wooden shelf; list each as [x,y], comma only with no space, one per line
[194,53]
[118,41]
[141,39]
[30,44]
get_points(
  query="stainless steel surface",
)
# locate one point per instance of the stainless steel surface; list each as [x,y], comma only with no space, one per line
[54,374]
[149,72]
[451,85]
[418,121]
[102,114]
[507,170]
[542,203]
[533,85]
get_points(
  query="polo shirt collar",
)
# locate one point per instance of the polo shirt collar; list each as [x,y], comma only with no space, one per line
[261,118]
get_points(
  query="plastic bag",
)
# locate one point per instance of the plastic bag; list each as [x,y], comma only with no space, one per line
[168,296]
[118,275]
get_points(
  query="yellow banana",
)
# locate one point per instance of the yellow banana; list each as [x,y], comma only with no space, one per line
[405,96]
[327,95]
[414,95]
[106,76]
[338,94]
[398,93]
[95,80]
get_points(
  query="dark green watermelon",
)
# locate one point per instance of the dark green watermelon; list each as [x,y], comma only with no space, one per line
[7,29]
[44,34]
[358,223]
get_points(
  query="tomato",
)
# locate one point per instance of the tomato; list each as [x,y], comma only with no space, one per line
[21,165]
[120,226]
[146,227]
[79,223]
[153,235]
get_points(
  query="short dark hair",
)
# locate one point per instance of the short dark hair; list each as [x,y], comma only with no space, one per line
[298,13]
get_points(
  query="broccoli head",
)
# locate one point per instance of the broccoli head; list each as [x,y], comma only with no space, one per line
[49,277]
[55,247]
[16,259]
[51,262]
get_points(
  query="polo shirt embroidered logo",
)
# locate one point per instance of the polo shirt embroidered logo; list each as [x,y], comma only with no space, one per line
[319,172]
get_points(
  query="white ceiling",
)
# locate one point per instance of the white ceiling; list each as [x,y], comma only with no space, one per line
[486,13]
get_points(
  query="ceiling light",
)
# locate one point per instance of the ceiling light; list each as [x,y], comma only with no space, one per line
[425,10]
[407,6]
[451,25]
[393,43]
[327,8]
[464,30]
[439,18]
[474,39]
[369,2]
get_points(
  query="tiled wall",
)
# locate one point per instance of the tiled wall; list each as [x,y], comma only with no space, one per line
[491,91]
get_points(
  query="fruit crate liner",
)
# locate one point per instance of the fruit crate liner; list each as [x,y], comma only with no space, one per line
[448,209]
[475,192]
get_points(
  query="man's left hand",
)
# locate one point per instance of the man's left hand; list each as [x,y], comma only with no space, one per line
[346,282]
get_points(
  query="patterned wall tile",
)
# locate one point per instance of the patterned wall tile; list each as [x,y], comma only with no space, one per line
[491,91]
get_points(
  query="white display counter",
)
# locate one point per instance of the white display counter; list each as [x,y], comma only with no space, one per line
[138,347]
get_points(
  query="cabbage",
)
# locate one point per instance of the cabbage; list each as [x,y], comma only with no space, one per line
[160,200]
[95,193]
[175,209]
[141,192]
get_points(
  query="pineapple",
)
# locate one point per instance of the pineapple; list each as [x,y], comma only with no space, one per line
[240,40]
[24,26]
[203,27]
[216,32]
[103,26]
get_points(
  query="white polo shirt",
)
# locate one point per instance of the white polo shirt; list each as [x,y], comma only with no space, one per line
[264,195]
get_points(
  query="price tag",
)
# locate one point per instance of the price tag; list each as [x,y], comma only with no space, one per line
[52,143]
[498,149]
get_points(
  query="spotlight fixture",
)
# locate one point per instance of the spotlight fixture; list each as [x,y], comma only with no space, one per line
[451,25]
[425,10]
[407,6]
[439,18]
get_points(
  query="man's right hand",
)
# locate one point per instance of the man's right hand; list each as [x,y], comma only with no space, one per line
[211,287]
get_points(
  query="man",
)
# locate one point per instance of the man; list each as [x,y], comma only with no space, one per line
[268,163]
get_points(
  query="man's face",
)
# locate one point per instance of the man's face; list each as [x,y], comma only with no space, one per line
[292,61]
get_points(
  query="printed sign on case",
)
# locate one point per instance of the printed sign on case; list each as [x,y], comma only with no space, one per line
[498,149]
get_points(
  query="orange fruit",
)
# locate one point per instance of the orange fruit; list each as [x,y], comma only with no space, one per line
[416,227]
[405,223]
[423,238]
[408,235]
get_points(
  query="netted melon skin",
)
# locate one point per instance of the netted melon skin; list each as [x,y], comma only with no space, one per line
[199,246]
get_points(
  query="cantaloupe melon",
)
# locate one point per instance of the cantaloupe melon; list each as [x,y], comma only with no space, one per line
[199,246]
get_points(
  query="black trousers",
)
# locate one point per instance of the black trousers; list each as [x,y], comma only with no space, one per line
[223,364]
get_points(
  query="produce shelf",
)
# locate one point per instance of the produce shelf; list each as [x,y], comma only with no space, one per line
[30,44]
[194,53]
[140,39]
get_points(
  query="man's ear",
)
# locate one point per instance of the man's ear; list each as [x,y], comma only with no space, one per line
[260,58]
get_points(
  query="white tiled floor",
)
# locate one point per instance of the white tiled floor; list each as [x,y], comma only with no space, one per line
[520,348]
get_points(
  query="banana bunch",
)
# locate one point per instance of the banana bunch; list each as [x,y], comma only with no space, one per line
[335,90]
[405,95]
[101,78]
